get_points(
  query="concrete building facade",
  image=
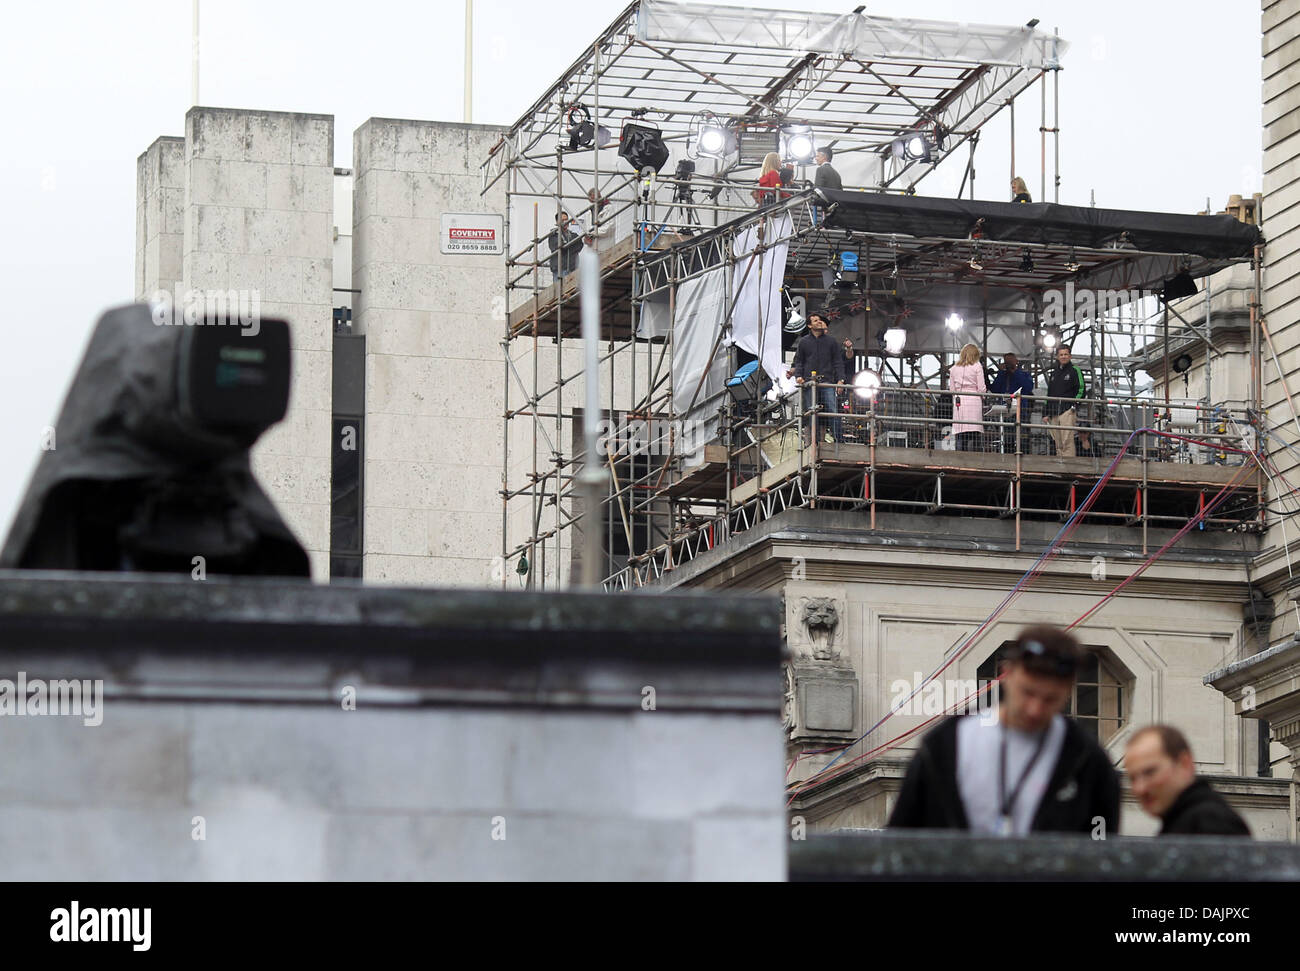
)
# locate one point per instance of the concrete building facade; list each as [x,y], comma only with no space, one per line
[251,203]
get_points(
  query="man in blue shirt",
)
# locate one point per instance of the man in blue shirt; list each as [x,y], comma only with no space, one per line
[1010,380]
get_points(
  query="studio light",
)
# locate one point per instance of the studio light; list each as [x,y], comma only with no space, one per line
[954,322]
[715,140]
[895,340]
[866,384]
[846,277]
[1050,340]
[582,133]
[794,321]
[913,147]
[643,147]
[756,143]
[1178,287]
[1182,363]
[800,146]
[744,384]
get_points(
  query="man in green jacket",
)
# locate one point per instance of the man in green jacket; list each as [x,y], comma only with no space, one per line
[1064,381]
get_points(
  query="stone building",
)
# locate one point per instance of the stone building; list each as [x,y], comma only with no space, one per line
[387,465]
[402,343]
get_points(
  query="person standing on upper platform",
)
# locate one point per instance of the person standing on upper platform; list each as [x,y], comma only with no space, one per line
[769,180]
[1065,387]
[967,376]
[826,177]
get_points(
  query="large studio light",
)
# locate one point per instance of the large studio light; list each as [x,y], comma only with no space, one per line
[912,147]
[715,140]
[643,147]
[756,142]
[1050,339]
[582,133]
[1179,286]
[895,340]
[800,145]
[954,322]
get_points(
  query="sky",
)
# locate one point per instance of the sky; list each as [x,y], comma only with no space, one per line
[1160,110]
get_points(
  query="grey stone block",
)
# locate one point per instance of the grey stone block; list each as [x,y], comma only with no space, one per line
[136,757]
[745,848]
[685,766]
[95,844]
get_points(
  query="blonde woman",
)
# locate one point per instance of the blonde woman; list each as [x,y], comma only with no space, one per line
[769,180]
[1019,191]
[966,382]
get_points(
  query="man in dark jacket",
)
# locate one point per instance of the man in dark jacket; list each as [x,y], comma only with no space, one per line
[819,357]
[1063,381]
[1029,769]
[565,245]
[826,176]
[1012,379]
[1159,764]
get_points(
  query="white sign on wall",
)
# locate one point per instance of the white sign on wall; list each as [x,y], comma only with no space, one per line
[473,232]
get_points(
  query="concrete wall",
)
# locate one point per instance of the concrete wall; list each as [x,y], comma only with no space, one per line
[494,736]
[159,216]
[433,325]
[258,217]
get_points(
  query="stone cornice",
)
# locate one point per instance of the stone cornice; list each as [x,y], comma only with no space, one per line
[764,557]
[162,637]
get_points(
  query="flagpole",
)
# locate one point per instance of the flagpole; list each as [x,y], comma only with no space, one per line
[194,56]
[469,58]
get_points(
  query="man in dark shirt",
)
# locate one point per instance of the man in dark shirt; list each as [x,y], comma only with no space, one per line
[818,357]
[1012,379]
[1159,764]
[826,177]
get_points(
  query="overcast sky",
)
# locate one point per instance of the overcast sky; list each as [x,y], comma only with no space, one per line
[1160,109]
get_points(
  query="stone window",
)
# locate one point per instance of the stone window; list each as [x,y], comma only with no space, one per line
[1102,696]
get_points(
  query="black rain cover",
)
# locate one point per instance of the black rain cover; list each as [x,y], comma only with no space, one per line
[128,470]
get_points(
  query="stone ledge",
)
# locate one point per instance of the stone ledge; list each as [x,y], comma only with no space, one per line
[920,855]
[171,638]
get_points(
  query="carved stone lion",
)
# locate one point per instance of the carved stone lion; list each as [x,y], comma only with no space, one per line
[820,621]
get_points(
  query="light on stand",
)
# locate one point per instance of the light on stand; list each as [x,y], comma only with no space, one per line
[866,384]
[954,322]
[895,340]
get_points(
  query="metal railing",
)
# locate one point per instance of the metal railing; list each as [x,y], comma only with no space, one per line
[800,451]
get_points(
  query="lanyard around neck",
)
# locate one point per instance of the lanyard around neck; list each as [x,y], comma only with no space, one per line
[1007,802]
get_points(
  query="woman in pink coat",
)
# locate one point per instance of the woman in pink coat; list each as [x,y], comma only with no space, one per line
[967,375]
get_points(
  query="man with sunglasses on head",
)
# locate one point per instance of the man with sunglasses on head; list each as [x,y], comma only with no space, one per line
[1024,767]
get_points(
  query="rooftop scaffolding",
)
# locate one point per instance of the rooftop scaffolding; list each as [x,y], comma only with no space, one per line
[690,462]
